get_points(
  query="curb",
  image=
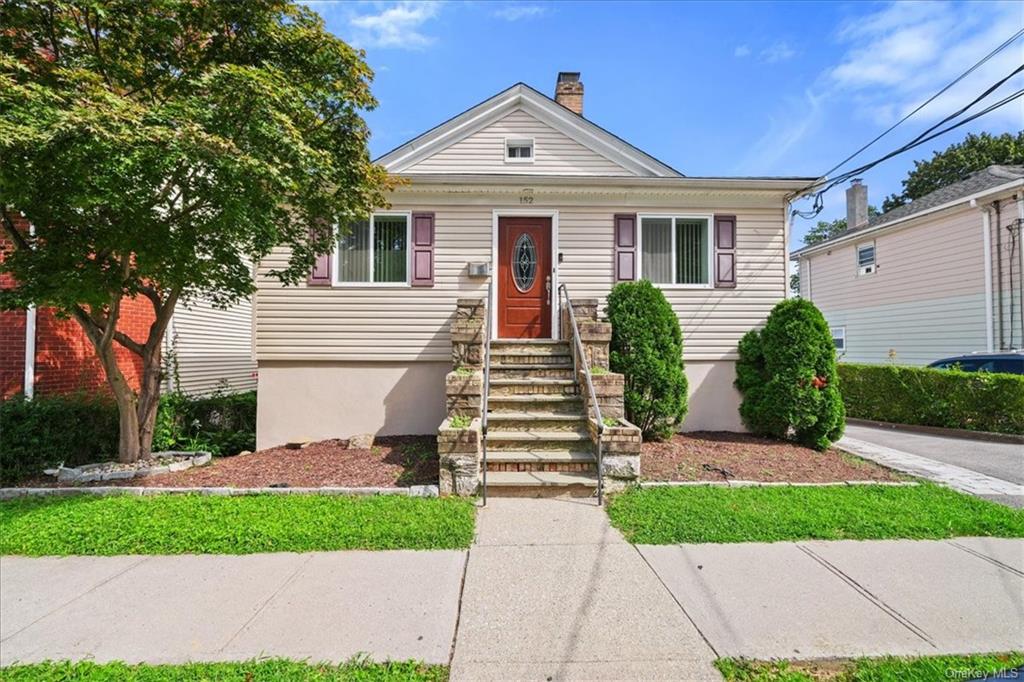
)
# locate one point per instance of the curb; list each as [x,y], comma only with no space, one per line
[985,436]
[140,491]
[769,484]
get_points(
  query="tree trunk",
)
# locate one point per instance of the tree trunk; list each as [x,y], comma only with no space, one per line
[128,447]
[149,398]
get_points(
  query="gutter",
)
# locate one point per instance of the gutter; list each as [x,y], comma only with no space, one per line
[516,181]
[859,234]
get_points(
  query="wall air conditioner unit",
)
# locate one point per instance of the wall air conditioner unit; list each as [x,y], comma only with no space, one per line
[867,269]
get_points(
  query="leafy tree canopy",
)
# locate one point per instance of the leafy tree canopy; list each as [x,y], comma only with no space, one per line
[956,162]
[161,147]
[826,229]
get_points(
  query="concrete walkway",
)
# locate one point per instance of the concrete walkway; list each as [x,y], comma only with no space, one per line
[172,609]
[994,471]
[552,592]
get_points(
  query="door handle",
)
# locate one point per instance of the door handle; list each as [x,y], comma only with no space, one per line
[547,284]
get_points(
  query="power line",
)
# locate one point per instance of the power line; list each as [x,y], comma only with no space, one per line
[931,99]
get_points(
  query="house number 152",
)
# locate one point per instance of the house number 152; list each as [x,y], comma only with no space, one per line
[526,197]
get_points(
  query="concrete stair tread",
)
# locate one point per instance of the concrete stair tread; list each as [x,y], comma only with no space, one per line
[543,436]
[533,415]
[530,365]
[536,397]
[540,456]
[539,478]
[532,382]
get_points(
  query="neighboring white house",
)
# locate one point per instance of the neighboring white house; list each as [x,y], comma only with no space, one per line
[209,349]
[938,277]
[364,345]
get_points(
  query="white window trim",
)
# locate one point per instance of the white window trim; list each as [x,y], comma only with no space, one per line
[336,270]
[520,142]
[709,221]
[866,269]
[842,334]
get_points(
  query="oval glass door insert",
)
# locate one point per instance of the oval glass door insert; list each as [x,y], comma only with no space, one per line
[524,263]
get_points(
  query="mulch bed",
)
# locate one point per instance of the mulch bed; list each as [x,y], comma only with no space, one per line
[394,461]
[719,456]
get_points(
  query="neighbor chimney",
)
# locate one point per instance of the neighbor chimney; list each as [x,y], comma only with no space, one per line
[856,204]
[569,91]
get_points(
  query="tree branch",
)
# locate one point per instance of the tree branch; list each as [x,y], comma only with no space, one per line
[16,236]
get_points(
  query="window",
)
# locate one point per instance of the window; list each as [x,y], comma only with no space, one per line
[519,150]
[838,338]
[675,250]
[375,251]
[866,259]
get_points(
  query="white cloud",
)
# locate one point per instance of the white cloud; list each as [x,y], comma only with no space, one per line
[741,51]
[398,25]
[777,52]
[515,12]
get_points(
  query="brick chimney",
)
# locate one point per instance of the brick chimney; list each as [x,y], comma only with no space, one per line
[856,204]
[569,91]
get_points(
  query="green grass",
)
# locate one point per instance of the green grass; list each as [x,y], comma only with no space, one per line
[889,669]
[669,515]
[196,524]
[252,671]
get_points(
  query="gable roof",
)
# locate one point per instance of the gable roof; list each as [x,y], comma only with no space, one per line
[979,182]
[522,97]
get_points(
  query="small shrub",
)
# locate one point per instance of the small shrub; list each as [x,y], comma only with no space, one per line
[460,421]
[49,430]
[647,348]
[787,375]
[222,423]
[977,401]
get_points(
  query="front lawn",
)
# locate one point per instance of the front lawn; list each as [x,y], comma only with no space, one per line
[670,515]
[252,671]
[889,669]
[195,524]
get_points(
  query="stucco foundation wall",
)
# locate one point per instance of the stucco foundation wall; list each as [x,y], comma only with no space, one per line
[714,402]
[323,400]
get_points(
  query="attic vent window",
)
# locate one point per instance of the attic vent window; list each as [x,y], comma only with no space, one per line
[519,150]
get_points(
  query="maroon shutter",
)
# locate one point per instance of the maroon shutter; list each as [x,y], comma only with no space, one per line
[423,249]
[625,247]
[725,251]
[320,275]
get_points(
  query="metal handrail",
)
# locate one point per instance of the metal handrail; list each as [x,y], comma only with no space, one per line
[582,355]
[487,382]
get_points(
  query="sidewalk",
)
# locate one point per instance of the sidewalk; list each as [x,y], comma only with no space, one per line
[173,609]
[552,592]
[994,471]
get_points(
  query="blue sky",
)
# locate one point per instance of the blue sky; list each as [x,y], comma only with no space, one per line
[709,88]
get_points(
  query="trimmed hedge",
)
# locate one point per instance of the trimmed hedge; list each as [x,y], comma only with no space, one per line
[786,373]
[80,429]
[977,401]
[647,348]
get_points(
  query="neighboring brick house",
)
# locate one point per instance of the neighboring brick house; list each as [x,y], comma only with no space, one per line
[209,356]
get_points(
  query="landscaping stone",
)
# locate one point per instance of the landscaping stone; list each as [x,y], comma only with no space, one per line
[361,441]
[297,444]
[621,466]
[200,460]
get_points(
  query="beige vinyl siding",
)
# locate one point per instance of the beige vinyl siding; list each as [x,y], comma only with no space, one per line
[924,302]
[411,323]
[213,347]
[484,152]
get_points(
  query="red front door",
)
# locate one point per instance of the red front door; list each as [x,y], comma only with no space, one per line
[524,278]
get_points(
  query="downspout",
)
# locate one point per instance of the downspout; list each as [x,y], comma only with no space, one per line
[1020,259]
[786,204]
[986,241]
[29,382]
[999,273]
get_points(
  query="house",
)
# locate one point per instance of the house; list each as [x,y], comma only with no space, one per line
[205,349]
[527,185]
[938,277]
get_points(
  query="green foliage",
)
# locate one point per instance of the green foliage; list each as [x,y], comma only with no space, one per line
[269,670]
[787,375]
[825,229]
[223,423]
[647,347]
[200,524]
[83,429]
[49,430]
[885,669]
[672,515]
[956,162]
[977,401]
[460,421]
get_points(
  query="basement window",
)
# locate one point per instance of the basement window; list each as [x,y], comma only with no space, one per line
[519,150]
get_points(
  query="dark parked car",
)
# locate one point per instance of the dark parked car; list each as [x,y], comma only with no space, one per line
[1004,363]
